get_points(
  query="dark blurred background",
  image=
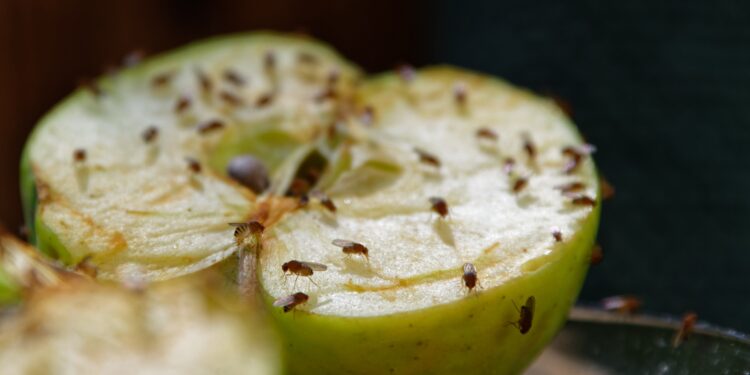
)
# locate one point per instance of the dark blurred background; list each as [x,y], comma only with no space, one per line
[663,88]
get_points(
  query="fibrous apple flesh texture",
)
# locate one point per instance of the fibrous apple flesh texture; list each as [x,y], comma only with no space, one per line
[138,209]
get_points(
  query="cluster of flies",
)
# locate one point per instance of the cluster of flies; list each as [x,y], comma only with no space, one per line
[253,229]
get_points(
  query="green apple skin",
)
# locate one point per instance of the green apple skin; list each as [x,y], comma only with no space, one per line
[425,341]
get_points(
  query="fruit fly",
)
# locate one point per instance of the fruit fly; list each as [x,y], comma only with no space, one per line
[520,184]
[291,301]
[623,304]
[557,234]
[487,133]
[583,200]
[324,200]
[526,315]
[508,165]
[439,206]
[210,126]
[150,134]
[299,268]
[307,58]
[459,93]
[427,158]
[79,155]
[470,276]
[233,77]
[607,190]
[688,324]
[193,165]
[264,100]
[571,187]
[529,147]
[204,81]
[575,156]
[597,255]
[162,79]
[230,98]
[182,104]
[351,247]
[243,231]
[269,61]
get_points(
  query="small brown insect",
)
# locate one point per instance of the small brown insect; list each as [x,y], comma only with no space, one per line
[351,247]
[150,134]
[182,104]
[583,200]
[264,100]
[623,304]
[231,99]
[526,315]
[324,200]
[92,86]
[427,158]
[529,147]
[470,276]
[193,165]
[234,77]
[210,126]
[575,156]
[161,80]
[291,301]
[305,269]
[406,72]
[243,231]
[688,324]
[79,155]
[439,206]
[459,93]
[508,165]
[307,58]
[204,81]
[606,189]
[487,133]
[571,187]
[557,234]
[597,255]
[520,184]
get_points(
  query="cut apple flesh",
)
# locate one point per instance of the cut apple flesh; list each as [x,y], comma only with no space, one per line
[358,164]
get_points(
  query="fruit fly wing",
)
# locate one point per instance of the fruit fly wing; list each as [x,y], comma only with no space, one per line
[315,266]
[342,243]
[284,301]
[530,304]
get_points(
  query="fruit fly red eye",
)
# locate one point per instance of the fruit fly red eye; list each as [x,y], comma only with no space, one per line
[150,134]
[351,247]
[244,230]
[231,99]
[182,105]
[210,126]
[234,78]
[508,165]
[529,147]
[486,133]
[571,187]
[79,155]
[291,301]
[439,206]
[520,184]
[526,315]
[686,328]
[162,79]
[307,58]
[583,200]
[597,255]
[264,100]
[204,81]
[193,165]
[557,234]
[427,158]
[623,304]
[470,276]
[406,72]
[459,93]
